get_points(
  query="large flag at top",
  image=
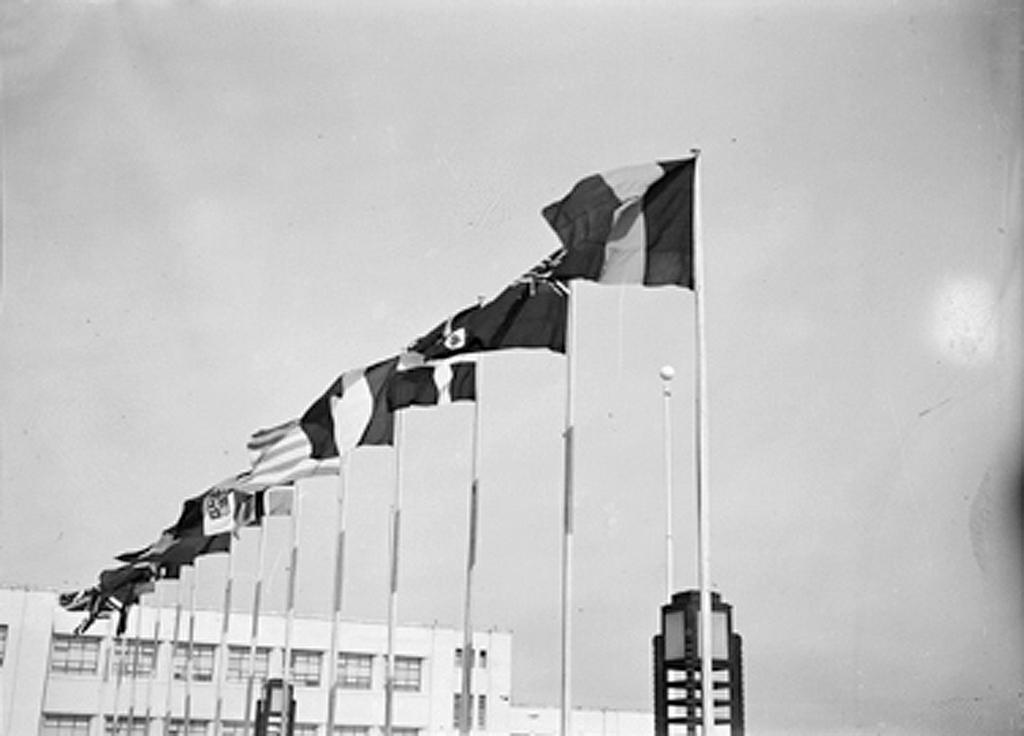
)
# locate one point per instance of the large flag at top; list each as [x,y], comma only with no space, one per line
[530,313]
[352,412]
[628,226]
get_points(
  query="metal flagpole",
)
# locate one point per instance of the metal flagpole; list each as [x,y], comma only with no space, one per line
[396,515]
[153,663]
[466,710]
[229,576]
[339,579]
[115,715]
[136,647]
[703,508]
[290,611]
[667,373]
[192,585]
[257,593]
[105,679]
[567,517]
[176,635]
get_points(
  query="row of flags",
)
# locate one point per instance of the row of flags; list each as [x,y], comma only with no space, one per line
[631,225]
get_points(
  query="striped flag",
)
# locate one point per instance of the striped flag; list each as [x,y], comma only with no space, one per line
[352,412]
[430,385]
[628,226]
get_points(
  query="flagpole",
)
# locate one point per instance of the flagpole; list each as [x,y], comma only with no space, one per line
[567,517]
[667,373]
[396,503]
[703,505]
[339,575]
[105,680]
[222,648]
[135,667]
[156,658]
[192,585]
[257,593]
[115,715]
[466,710]
[176,635]
[290,611]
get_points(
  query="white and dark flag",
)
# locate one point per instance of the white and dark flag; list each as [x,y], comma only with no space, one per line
[430,385]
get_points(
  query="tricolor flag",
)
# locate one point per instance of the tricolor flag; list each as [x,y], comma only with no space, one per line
[628,226]
[433,384]
[352,412]
[530,313]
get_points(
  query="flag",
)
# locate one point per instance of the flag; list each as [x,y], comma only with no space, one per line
[273,501]
[433,384]
[117,591]
[529,313]
[628,226]
[352,412]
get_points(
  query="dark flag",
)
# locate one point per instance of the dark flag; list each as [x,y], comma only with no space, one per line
[433,384]
[628,226]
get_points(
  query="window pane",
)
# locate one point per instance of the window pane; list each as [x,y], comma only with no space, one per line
[351,730]
[306,729]
[137,727]
[481,711]
[238,664]
[138,657]
[195,728]
[355,671]
[407,673]
[78,654]
[63,724]
[306,667]
[201,665]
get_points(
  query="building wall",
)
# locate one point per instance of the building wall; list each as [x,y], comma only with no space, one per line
[32,689]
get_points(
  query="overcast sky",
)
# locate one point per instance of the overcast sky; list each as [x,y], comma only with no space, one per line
[213,208]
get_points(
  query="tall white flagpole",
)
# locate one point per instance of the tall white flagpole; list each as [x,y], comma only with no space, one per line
[176,635]
[396,519]
[466,709]
[229,577]
[290,611]
[119,675]
[703,506]
[192,585]
[257,593]
[136,647]
[567,517]
[667,373]
[148,718]
[339,586]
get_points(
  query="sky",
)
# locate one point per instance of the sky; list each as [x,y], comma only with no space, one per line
[211,209]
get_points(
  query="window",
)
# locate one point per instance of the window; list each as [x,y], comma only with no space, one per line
[3,643]
[137,727]
[62,724]
[306,667]
[141,666]
[238,664]
[305,729]
[202,662]
[457,709]
[355,671]
[195,728]
[233,728]
[74,654]
[352,730]
[407,673]
[481,711]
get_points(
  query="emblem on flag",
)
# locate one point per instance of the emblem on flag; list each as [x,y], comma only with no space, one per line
[218,511]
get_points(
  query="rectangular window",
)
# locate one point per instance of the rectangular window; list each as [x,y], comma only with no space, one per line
[238,664]
[142,664]
[3,643]
[355,671]
[195,728]
[306,667]
[74,654]
[457,709]
[201,665]
[137,727]
[481,711]
[408,671]
[64,724]
[233,728]
[352,730]
[306,729]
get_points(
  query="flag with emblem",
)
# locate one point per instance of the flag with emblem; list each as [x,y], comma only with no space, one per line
[529,313]
[632,225]
[433,384]
[352,413]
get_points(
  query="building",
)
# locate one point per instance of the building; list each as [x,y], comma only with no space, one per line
[57,684]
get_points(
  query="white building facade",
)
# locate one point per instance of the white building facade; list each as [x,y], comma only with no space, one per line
[57,684]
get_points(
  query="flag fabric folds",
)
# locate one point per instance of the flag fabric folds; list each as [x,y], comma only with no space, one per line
[432,384]
[117,591]
[529,313]
[628,226]
[352,412]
